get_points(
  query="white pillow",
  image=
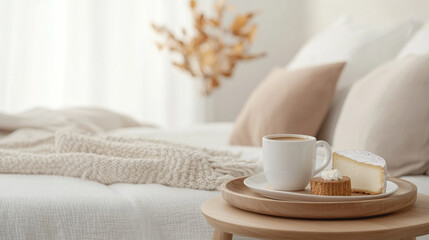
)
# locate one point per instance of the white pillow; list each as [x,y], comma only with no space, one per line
[386,112]
[418,45]
[363,47]
[337,43]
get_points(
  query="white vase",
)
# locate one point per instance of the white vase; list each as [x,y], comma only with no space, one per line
[203,104]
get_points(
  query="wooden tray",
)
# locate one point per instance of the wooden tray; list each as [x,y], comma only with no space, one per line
[238,195]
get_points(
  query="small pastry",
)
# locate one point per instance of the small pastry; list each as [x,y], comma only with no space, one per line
[331,183]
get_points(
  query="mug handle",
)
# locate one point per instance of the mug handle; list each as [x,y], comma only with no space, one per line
[328,155]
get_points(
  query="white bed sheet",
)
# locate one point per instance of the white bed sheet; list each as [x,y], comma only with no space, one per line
[50,207]
[53,207]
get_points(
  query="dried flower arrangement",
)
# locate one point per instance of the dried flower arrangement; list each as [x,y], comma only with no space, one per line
[214,50]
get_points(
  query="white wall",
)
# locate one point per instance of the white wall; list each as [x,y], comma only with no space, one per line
[281,31]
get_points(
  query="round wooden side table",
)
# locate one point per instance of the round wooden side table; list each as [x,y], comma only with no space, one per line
[228,220]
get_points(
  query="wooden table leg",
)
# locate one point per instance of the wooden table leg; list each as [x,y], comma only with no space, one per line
[219,235]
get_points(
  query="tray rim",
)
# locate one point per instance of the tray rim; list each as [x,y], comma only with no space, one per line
[412,196]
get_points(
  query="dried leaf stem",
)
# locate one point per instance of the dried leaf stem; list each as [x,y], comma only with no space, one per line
[214,50]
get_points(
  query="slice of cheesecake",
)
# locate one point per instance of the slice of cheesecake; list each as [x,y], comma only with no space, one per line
[366,170]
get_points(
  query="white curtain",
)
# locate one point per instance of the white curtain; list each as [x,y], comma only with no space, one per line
[61,53]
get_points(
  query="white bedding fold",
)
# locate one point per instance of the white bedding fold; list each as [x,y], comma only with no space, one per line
[90,119]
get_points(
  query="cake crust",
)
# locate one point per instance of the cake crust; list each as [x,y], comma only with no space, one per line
[355,190]
[320,186]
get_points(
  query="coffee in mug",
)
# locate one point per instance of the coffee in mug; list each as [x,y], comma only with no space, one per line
[290,160]
[288,138]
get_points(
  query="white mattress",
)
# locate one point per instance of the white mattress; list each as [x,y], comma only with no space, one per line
[51,207]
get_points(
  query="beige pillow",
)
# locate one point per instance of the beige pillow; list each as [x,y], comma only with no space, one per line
[287,102]
[387,112]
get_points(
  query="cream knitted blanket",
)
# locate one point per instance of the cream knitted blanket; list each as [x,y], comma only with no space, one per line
[75,151]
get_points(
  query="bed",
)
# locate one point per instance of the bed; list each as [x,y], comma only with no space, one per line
[54,207]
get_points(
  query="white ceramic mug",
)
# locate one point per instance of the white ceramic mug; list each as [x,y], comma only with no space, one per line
[290,164]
